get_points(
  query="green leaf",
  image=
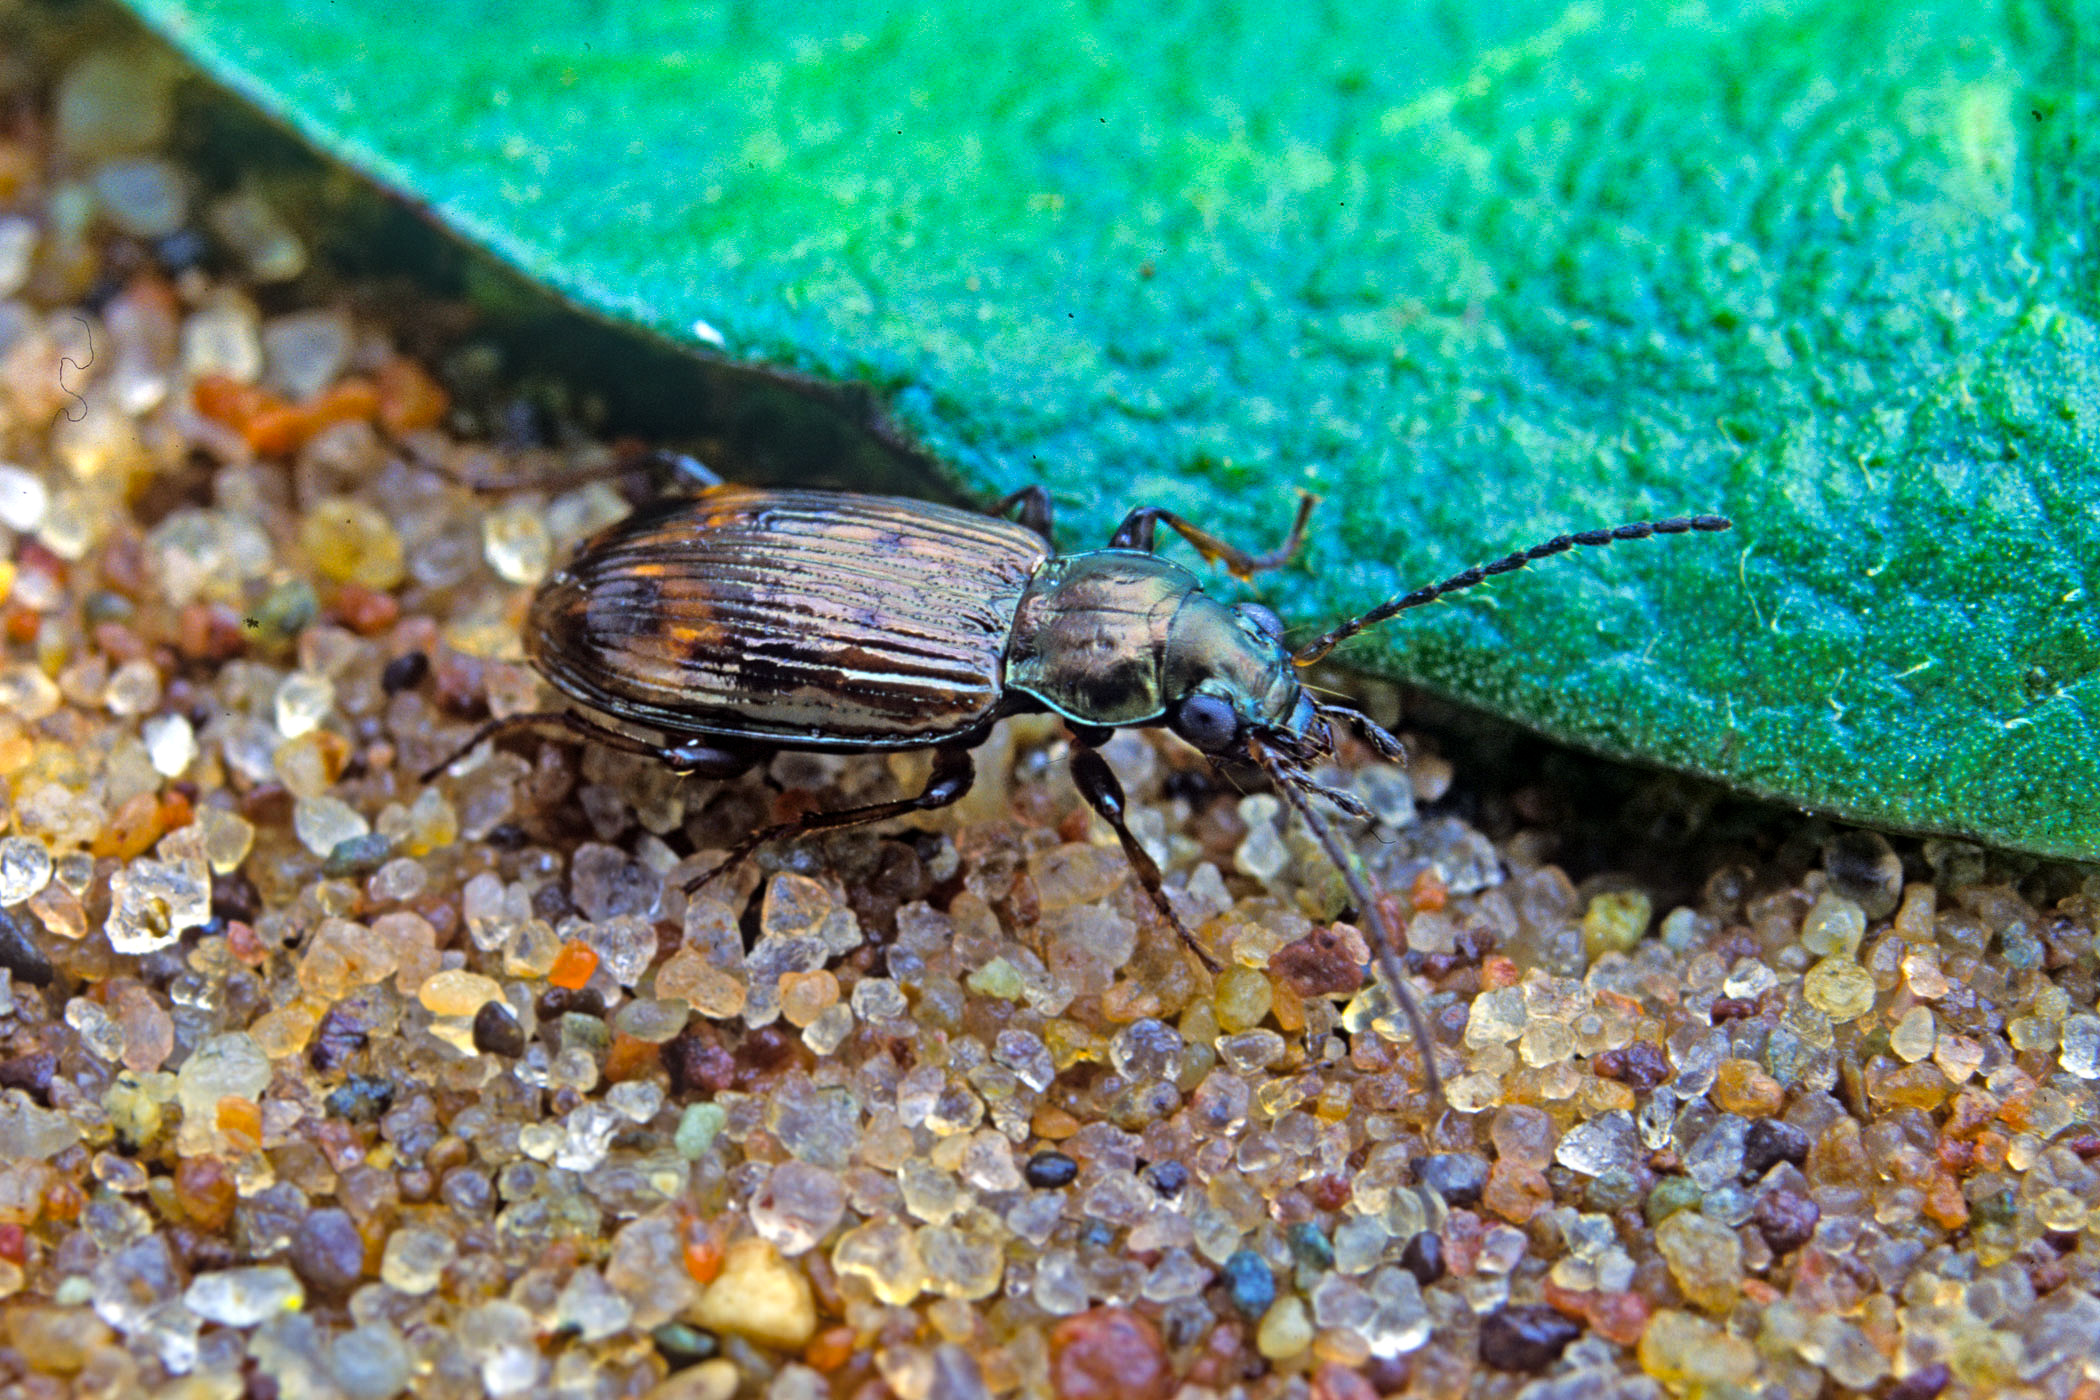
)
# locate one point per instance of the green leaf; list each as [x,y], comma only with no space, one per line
[1474,274]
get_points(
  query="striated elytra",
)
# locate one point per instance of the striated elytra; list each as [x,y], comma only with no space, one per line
[737,622]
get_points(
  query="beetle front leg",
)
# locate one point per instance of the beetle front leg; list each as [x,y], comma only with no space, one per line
[953,773]
[1140,529]
[1097,783]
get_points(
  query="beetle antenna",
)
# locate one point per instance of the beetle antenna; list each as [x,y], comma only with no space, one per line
[1480,573]
[1384,946]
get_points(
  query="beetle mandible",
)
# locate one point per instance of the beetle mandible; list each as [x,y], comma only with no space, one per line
[738,622]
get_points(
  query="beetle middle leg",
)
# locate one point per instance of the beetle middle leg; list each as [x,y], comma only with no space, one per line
[1097,783]
[1034,513]
[953,772]
[1141,526]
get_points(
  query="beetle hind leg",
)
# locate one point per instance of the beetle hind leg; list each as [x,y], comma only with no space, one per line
[1098,785]
[694,759]
[953,773]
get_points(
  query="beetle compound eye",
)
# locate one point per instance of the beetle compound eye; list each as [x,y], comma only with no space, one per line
[1264,618]
[1207,722]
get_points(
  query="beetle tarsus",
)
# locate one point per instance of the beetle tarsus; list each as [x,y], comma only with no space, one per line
[1097,783]
[954,770]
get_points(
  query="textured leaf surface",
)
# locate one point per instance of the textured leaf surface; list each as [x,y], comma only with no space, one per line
[1474,274]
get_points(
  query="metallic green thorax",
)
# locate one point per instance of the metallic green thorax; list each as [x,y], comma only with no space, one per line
[1113,637]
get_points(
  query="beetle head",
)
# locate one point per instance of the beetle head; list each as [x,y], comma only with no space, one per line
[1229,677]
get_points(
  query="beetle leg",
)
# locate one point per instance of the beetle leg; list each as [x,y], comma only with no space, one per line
[953,772]
[1140,529]
[1098,785]
[1035,511]
[693,758]
[1373,733]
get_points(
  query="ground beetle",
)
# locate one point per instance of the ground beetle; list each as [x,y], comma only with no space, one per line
[738,622]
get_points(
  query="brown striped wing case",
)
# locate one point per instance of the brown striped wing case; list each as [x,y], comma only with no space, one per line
[800,619]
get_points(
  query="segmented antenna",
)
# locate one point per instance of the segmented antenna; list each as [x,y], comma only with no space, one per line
[1480,573]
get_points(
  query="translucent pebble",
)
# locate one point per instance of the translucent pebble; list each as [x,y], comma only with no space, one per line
[171,744]
[1243,998]
[1606,1143]
[1717,1156]
[134,689]
[589,1306]
[885,1253]
[1389,792]
[305,352]
[227,838]
[370,1362]
[223,338]
[262,240]
[829,1031]
[27,693]
[819,1124]
[31,1133]
[1704,1256]
[1839,988]
[1263,855]
[1523,1134]
[1286,1329]
[653,1020]
[797,1207]
[960,1262]
[1251,1052]
[17,248]
[113,103]
[303,701]
[689,976]
[1496,1017]
[245,1297]
[2081,1045]
[1545,1043]
[1360,1242]
[153,902]
[878,999]
[351,542]
[1076,874]
[145,197]
[1615,922]
[458,993]
[323,823]
[1026,1055]
[414,1259]
[225,1066]
[1834,926]
[698,1127]
[636,1100]
[515,542]
[397,881]
[1147,1051]
[806,995]
[25,868]
[23,498]
[794,905]
[1914,1036]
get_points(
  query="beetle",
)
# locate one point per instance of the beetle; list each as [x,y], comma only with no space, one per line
[739,621]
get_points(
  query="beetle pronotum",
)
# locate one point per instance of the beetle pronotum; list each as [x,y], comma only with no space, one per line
[739,622]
